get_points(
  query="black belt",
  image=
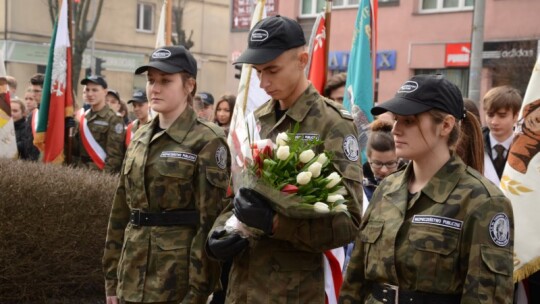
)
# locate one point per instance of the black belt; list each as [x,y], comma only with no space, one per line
[176,218]
[391,294]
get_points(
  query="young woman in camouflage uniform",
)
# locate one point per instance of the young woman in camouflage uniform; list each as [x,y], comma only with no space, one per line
[173,179]
[438,231]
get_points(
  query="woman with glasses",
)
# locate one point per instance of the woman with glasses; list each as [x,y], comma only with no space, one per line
[381,153]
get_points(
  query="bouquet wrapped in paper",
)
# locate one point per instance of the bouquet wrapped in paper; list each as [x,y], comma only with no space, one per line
[296,181]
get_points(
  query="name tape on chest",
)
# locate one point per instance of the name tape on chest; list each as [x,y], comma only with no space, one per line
[180,155]
[307,136]
[101,123]
[499,229]
[438,221]
[221,157]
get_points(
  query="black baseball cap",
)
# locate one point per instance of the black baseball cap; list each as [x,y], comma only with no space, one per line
[139,96]
[171,59]
[422,93]
[270,37]
[207,98]
[114,93]
[95,79]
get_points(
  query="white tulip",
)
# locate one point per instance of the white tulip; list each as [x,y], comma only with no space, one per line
[334,180]
[282,139]
[341,191]
[315,169]
[321,159]
[303,178]
[321,207]
[340,207]
[306,156]
[334,198]
[283,152]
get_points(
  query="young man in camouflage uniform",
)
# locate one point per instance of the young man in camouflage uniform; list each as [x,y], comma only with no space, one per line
[438,231]
[171,190]
[286,264]
[141,109]
[100,132]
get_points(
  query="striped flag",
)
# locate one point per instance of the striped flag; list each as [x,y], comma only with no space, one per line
[56,101]
[360,72]
[521,181]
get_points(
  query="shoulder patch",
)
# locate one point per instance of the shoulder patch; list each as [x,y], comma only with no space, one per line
[119,128]
[221,157]
[350,147]
[499,229]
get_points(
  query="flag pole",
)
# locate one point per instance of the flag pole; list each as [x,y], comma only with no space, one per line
[327,20]
[71,130]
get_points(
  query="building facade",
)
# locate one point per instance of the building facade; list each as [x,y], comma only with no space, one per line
[427,36]
[124,37]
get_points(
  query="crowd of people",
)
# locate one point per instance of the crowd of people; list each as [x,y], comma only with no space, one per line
[437,229]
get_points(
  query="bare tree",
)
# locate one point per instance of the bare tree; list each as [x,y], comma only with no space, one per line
[83,29]
[178,15]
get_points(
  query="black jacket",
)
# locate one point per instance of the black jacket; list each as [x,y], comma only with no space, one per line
[25,140]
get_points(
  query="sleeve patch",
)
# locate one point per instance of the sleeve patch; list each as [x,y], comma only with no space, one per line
[499,229]
[350,147]
[221,157]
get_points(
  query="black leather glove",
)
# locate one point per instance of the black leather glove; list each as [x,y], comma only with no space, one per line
[224,247]
[253,209]
[70,122]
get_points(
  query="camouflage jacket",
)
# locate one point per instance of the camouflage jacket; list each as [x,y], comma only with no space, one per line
[453,237]
[288,267]
[183,168]
[108,131]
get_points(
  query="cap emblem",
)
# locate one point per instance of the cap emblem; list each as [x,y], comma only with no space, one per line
[408,87]
[161,54]
[259,35]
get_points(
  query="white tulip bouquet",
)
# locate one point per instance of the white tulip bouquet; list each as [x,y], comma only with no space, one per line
[307,182]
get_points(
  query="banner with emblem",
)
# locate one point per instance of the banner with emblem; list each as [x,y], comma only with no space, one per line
[358,97]
[56,101]
[521,181]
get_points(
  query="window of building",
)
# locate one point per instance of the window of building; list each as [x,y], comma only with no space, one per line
[145,17]
[445,5]
[313,7]
[460,77]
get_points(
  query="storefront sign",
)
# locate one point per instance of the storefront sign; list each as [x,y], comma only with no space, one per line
[338,61]
[386,60]
[242,9]
[458,54]
[509,50]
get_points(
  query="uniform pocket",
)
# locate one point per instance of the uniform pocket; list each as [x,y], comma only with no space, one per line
[372,251]
[175,184]
[436,249]
[172,260]
[495,278]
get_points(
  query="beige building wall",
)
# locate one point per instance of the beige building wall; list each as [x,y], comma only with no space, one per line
[25,30]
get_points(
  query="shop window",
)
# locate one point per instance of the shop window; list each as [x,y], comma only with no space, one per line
[145,17]
[435,6]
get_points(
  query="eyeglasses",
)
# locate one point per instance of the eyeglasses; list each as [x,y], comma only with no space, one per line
[378,165]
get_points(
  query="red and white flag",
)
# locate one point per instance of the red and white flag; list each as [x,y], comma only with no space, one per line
[56,101]
[317,48]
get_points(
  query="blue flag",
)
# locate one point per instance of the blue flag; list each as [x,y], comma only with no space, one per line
[358,97]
